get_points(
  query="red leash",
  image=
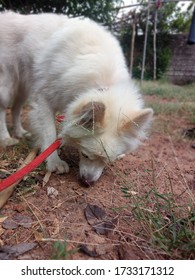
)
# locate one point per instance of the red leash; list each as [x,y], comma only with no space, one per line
[30,166]
[60,118]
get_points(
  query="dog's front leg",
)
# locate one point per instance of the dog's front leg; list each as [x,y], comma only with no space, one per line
[19,131]
[5,139]
[42,121]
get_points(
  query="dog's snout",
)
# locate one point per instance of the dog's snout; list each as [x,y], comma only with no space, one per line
[86,181]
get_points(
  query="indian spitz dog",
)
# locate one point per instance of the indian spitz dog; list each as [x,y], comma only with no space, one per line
[76,67]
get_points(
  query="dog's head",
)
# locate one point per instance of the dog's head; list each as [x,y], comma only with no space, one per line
[102,131]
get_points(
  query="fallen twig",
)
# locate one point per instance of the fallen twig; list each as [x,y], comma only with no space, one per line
[5,194]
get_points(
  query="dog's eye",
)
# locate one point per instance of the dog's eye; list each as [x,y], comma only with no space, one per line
[84,155]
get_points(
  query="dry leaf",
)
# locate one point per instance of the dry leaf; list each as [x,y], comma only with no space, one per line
[1,232]
[131,192]
[8,252]
[17,220]
[95,251]
[56,227]
[9,224]
[23,220]
[84,249]
[105,226]
[98,219]
[94,212]
[3,175]
[2,219]
[38,236]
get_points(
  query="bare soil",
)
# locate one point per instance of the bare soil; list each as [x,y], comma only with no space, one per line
[57,208]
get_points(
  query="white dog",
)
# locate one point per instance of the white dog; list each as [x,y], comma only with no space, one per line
[76,67]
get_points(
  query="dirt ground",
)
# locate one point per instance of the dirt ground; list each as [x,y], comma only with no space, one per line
[58,210]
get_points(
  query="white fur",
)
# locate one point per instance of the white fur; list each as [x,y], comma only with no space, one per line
[68,66]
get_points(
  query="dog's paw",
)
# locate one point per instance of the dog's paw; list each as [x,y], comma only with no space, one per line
[59,166]
[27,134]
[8,142]
[120,157]
[22,133]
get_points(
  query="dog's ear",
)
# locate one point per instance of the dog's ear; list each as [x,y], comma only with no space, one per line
[92,115]
[139,122]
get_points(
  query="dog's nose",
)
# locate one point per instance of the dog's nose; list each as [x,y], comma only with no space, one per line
[87,182]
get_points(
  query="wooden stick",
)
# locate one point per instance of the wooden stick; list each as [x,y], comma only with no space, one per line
[5,194]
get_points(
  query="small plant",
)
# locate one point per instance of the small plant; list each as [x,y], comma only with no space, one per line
[163,220]
[164,226]
[61,250]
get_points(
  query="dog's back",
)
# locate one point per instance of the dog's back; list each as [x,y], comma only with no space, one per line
[38,41]
[21,37]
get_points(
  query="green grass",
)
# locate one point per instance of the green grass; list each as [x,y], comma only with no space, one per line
[169,91]
[166,220]
[173,109]
[171,100]
[163,224]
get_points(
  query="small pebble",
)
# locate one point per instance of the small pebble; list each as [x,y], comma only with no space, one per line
[52,192]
